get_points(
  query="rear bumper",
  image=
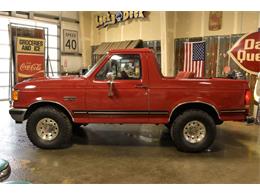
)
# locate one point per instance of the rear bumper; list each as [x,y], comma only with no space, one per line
[17,114]
[250,119]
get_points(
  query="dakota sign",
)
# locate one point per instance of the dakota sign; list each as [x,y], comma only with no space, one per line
[246,52]
[29,45]
[29,66]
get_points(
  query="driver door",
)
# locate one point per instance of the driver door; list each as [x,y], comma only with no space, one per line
[129,100]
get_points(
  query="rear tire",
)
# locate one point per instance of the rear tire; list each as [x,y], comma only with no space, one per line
[49,128]
[193,131]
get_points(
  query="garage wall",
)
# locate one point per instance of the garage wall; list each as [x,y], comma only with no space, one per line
[71,63]
[146,29]
[67,14]
[86,33]
[55,22]
[193,24]
[152,27]
[164,26]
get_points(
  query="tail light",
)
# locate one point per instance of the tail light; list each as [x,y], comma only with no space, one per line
[247,98]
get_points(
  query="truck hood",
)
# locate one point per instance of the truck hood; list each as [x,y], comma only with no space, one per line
[52,83]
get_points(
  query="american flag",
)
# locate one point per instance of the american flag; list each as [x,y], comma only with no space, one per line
[194,57]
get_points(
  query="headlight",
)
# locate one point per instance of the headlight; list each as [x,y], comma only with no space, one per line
[15,95]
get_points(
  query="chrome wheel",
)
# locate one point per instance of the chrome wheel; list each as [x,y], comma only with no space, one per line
[47,129]
[194,132]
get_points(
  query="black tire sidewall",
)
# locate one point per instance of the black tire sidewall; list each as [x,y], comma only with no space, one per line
[178,128]
[65,128]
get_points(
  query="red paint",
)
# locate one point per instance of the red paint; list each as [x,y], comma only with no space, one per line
[152,93]
[29,66]
[248,96]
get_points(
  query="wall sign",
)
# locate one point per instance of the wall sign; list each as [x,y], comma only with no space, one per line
[215,20]
[29,45]
[70,41]
[30,58]
[246,52]
[120,16]
[29,66]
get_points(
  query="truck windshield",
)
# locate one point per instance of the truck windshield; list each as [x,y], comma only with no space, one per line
[95,66]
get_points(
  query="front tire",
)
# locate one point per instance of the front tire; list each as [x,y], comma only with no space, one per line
[49,128]
[193,131]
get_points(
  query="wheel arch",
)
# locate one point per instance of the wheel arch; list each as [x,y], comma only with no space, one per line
[206,107]
[58,106]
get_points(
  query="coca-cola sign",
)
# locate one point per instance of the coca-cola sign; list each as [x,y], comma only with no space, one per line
[29,65]
[246,52]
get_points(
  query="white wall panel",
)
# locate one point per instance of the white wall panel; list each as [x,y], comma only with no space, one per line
[71,63]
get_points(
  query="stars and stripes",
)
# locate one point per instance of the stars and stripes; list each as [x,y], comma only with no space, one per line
[194,57]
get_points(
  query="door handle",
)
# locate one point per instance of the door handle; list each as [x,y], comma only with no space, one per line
[141,86]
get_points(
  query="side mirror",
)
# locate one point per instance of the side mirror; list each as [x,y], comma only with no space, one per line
[83,71]
[5,170]
[110,77]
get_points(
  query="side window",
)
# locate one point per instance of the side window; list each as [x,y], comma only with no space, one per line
[123,67]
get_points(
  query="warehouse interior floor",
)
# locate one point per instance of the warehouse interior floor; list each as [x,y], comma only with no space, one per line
[131,154]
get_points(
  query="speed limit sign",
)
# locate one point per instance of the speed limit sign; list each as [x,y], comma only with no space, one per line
[70,41]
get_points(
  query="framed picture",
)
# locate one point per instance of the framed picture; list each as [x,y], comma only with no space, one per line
[215,20]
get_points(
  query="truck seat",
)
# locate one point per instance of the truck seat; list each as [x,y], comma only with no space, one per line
[185,75]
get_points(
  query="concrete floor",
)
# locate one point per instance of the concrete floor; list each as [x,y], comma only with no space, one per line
[131,154]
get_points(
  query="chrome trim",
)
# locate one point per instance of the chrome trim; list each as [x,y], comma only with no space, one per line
[159,113]
[118,113]
[232,111]
[47,129]
[46,101]
[5,173]
[80,112]
[70,98]
[122,112]
[194,131]
[193,102]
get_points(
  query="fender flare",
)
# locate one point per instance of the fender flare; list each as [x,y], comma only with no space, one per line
[45,102]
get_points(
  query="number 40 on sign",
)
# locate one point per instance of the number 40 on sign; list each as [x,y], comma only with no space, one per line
[70,41]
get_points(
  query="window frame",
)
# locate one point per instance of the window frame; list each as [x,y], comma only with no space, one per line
[125,54]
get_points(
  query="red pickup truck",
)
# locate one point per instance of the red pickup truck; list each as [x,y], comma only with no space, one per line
[126,86]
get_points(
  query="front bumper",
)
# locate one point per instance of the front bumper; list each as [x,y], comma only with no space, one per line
[17,114]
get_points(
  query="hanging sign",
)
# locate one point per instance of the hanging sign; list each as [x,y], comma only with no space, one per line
[29,66]
[29,45]
[120,16]
[70,41]
[30,58]
[246,52]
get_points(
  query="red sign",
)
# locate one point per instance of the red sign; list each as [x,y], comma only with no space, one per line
[246,52]
[29,66]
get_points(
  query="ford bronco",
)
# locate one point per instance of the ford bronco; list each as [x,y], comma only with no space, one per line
[126,86]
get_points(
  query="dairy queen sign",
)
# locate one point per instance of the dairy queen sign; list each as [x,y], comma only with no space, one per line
[246,52]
